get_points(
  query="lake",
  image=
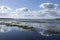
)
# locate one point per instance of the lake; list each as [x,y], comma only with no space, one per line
[16,33]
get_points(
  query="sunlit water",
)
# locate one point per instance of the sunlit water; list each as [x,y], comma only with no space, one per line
[15,33]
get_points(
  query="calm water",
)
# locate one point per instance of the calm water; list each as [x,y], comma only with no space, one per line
[15,33]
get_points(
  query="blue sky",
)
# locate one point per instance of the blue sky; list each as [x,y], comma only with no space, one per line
[39,9]
[31,4]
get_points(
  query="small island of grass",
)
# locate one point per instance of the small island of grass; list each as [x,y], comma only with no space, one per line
[20,26]
[52,32]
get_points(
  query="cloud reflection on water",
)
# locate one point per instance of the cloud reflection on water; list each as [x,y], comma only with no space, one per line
[4,29]
[40,28]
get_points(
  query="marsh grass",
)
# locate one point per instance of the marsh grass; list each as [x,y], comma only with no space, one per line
[52,32]
[20,26]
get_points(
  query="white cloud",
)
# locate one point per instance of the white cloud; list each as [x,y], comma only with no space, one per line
[48,6]
[25,13]
[42,14]
[49,12]
[23,9]
[5,11]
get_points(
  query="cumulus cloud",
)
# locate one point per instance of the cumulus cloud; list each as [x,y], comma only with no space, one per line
[24,9]
[48,6]
[43,14]
[5,11]
[49,11]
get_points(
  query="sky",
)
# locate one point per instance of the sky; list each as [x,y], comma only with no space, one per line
[30,9]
